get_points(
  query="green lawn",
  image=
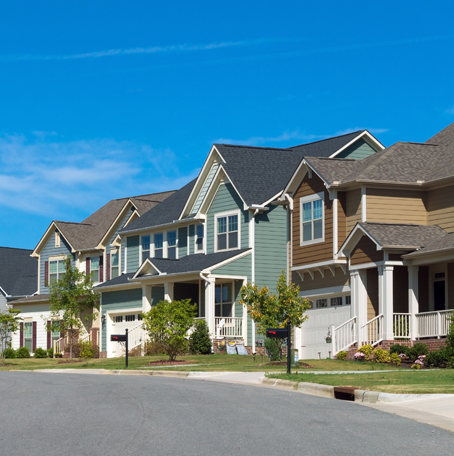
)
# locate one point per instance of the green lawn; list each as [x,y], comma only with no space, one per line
[406,381]
[202,363]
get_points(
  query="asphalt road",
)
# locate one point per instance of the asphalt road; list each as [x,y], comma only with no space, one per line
[67,414]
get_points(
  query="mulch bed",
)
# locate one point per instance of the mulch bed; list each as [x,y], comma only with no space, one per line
[70,361]
[163,362]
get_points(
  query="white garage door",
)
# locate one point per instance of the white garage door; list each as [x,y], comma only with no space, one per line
[121,322]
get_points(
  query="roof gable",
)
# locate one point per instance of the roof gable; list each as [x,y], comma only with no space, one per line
[18,272]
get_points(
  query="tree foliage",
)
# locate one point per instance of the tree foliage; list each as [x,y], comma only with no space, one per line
[9,324]
[72,302]
[200,340]
[167,324]
[270,310]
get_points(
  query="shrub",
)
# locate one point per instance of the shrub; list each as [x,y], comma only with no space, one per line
[50,352]
[86,350]
[394,358]
[381,356]
[9,353]
[23,352]
[398,349]
[342,355]
[438,358]
[153,348]
[417,350]
[40,353]
[367,350]
[272,348]
[136,351]
[200,341]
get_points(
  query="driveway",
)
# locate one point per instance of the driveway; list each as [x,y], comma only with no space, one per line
[71,414]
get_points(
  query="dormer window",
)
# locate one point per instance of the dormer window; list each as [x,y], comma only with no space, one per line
[114,264]
[312,219]
[227,235]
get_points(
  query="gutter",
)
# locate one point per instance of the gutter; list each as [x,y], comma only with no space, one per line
[148,228]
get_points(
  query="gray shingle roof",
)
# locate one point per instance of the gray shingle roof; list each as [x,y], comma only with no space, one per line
[403,235]
[442,243]
[193,263]
[31,299]
[165,212]
[87,234]
[18,272]
[120,280]
[405,163]
[260,173]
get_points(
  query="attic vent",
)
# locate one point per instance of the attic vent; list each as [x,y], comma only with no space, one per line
[439,275]
[57,239]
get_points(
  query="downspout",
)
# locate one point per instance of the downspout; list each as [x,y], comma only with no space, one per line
[289,235]
[209,317]
[252,243]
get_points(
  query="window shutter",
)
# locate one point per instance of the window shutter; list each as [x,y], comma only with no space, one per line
[34,337]
[46,274]
[21,337]
[49,334]
[87,266]
[108,266]
[101,268]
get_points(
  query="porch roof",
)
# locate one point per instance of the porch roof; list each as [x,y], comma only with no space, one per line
[120,280]
[441,244]
[394,236]
[191,263]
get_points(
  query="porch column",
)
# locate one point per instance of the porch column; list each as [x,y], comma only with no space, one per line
[385,300]
[146,298]
[209,305]
[359,300]
[168,291]
[413,300]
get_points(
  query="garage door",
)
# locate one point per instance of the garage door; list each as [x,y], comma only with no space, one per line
[121,322]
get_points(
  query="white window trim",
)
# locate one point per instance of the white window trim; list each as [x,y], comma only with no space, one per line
[226,214]
[203,249]
[233,302]
[54,258]
[307,199]
[118,252]
[166,244]
[141,251]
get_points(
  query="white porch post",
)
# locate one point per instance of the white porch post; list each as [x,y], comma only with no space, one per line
[413,300]
[209,306]
[146,298]
[359,301]
[168,291]
[385,299]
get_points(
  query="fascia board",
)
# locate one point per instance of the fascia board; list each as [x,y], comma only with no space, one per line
[52,227]
[297,176]
[4,293]
[121,286]
[200,180]
[353,238]
[149,229]
[371,140]
[274,198]
[114,225]
[211,191]
[164,277]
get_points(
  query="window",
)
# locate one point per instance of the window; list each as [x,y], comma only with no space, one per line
[114,264]
[320,303]
[55,335]
[56,270]
[337,301]
[139,317]
[158,245]
[94,269]
[172,244]
[145,247]
[130,318]
[28,336]
[312,229]
[118,319]
[57,239]
[199,238]
[227,232]
[348,300]
[223,300]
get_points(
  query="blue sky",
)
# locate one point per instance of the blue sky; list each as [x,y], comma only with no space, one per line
[101,100]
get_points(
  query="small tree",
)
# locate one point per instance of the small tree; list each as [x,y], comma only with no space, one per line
[275,311]
[72,300]
[167,324]
[200,340]
[9,323]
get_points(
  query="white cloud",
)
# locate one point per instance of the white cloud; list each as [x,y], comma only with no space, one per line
[260,140]
[374,131]
[173,48]
[52,178]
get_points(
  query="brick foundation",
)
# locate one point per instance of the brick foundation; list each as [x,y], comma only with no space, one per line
[103,354]
[432,345]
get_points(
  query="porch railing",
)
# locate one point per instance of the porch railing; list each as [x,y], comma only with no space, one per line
[137,337]
[229,326]
[433,324]
[344,336]
[401,325]
[60,344]
[371,332]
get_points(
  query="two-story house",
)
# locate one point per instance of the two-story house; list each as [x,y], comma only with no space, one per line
[372,246]
[93,248]
[209,238]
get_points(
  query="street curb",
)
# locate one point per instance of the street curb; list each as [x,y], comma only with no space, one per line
[284,384]
[316,389]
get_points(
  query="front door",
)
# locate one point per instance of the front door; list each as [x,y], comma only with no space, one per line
[439,295]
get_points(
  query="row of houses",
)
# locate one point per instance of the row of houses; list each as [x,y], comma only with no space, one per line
[364,230]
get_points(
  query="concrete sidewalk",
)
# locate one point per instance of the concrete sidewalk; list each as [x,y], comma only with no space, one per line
[434,409]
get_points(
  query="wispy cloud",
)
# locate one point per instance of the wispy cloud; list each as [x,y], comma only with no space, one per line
[54,178]
[374,131]
[173,48]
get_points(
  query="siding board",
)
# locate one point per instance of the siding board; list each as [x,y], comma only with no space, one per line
[440,207]
[365,252]
[353,208]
